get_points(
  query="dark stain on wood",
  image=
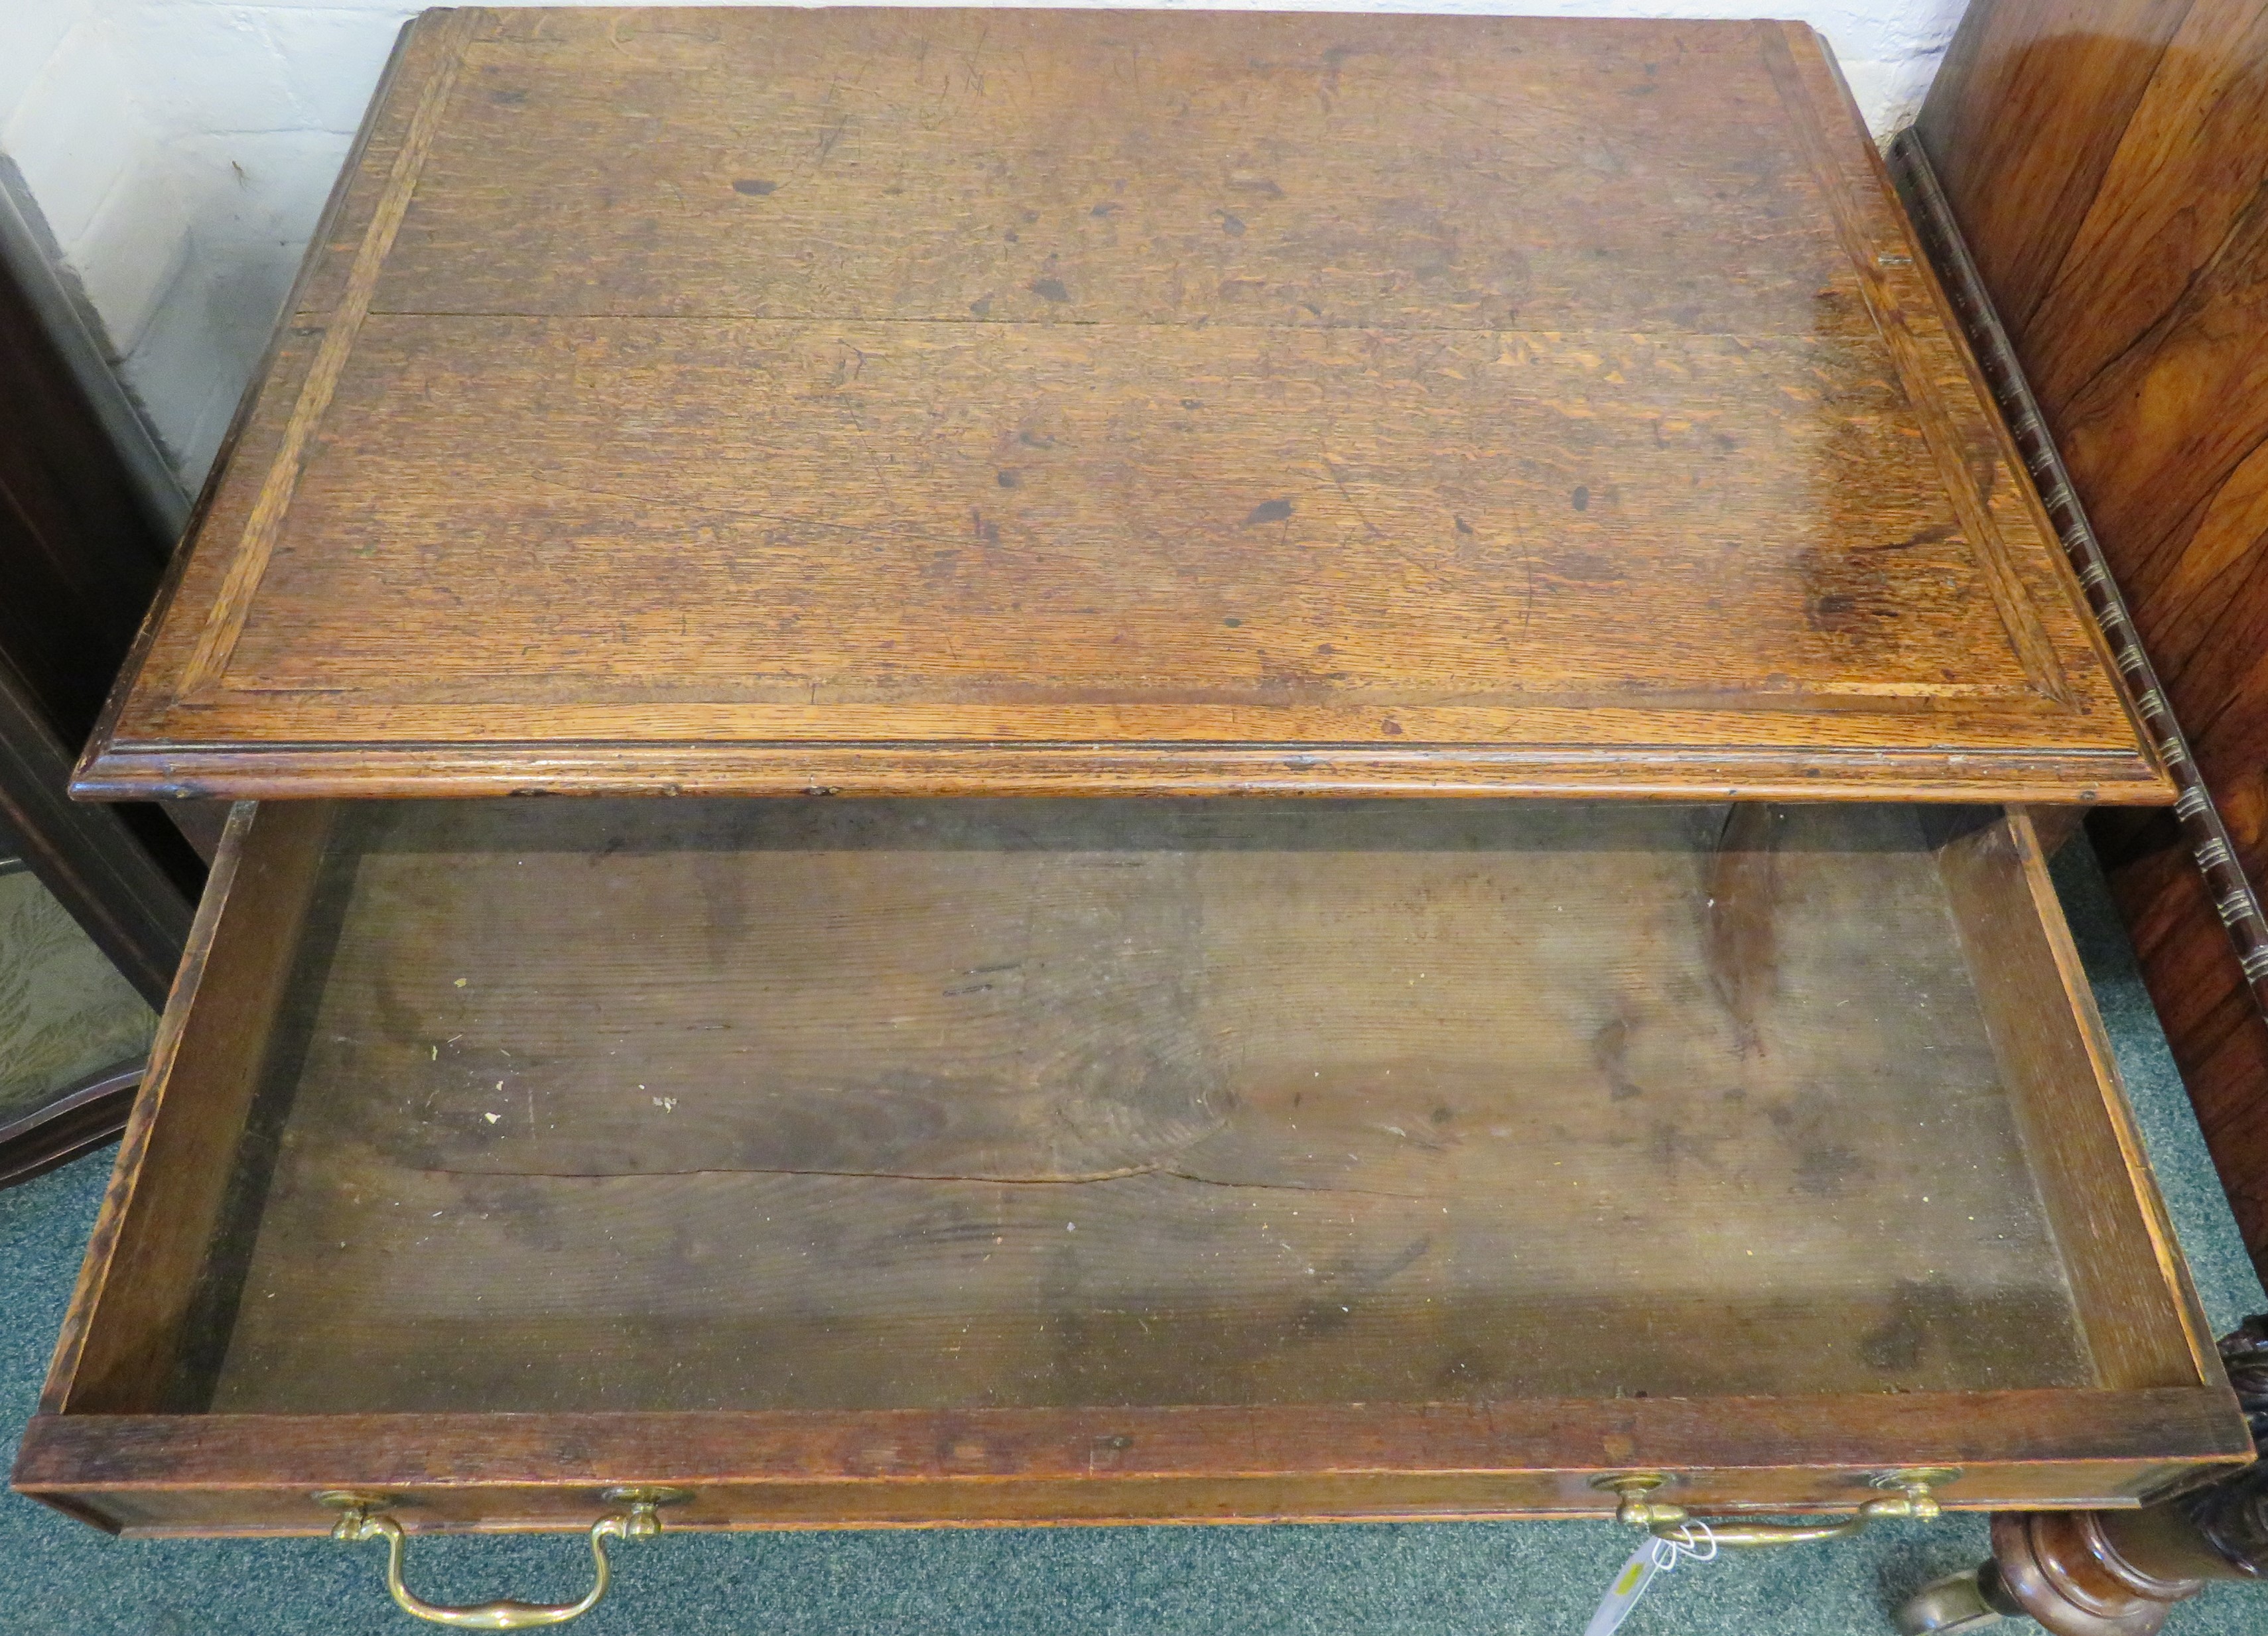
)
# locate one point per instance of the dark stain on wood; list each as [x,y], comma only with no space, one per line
[1741,913]
[1113,1102]
[1610,1047]
[1445,301]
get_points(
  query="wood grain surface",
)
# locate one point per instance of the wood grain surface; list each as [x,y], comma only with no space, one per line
[880,1162]
[711,401]
[257,1473]
[2108,168]
[2143,1322]
[695,1104]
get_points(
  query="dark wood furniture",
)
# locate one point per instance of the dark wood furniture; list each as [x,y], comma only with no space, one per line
[2105,163]
[80,558]
[77,1120]
[2119,1572]
[979,419]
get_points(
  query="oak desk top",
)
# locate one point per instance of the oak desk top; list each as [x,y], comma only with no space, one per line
[759,401]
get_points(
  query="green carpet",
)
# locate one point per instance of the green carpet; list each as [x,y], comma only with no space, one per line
[57,1575]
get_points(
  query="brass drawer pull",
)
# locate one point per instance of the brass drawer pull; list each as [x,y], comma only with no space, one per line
[1913,1498]
[360,1518]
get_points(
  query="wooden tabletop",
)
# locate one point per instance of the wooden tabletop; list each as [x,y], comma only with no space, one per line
[928,402]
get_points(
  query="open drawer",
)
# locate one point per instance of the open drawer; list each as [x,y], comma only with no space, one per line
[845,1162]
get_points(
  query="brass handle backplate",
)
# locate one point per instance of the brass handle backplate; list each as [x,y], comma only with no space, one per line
[1912,1497]
[363,1517]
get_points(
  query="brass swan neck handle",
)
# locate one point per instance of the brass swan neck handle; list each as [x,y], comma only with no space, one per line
[365,1517]
[1912,1496]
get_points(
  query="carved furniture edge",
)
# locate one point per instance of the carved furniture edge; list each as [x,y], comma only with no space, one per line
[2202,830]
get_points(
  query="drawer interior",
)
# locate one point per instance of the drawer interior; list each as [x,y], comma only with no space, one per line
[568,1105]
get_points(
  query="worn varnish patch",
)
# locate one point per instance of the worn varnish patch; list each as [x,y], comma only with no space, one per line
[708,1105]
[1312,497]
[701,400]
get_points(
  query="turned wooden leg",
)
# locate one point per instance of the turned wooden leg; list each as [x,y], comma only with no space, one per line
[2119,1572]
[2090,1574]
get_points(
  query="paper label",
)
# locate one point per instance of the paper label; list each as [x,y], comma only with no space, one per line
[1652,1558]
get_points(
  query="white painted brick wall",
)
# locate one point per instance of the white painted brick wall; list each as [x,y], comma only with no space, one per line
[180,150]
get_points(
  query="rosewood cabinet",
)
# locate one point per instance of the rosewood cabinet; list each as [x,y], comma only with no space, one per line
[1302,763]
[2104,162]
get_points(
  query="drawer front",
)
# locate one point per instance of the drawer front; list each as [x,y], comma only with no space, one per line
[243,1474]
[889,1163]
